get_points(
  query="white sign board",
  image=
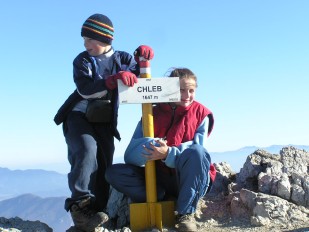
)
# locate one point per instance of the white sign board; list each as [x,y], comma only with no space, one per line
[150,90]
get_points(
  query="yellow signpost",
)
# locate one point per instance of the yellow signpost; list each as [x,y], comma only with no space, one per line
[152,213]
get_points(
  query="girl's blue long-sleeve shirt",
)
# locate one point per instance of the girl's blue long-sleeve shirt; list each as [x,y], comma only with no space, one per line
[135,150]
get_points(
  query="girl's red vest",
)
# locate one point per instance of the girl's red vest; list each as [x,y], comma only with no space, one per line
[179,124]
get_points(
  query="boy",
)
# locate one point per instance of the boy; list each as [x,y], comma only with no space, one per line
[89,118]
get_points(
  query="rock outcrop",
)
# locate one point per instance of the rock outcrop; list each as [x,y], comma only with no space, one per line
[17,225]
[270,189]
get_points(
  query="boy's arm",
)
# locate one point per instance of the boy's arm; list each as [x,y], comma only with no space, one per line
[88,86]
[128,63]
[84,77]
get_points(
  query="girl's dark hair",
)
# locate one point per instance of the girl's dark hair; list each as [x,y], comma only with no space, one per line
[182,73]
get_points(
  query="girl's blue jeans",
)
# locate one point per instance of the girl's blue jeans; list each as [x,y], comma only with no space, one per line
[188,184]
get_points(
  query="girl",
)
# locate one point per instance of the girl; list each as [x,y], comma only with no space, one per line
[183,165]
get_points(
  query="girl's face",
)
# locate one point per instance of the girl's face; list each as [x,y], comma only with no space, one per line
[187,91]
[94,47]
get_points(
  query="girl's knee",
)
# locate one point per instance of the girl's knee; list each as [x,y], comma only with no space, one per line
[194,156]
[196,151]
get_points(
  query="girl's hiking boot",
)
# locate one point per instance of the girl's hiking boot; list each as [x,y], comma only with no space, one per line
[86,219]
[186,222]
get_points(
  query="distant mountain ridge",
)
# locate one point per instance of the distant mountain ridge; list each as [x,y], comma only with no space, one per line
[53,184]
[38,182]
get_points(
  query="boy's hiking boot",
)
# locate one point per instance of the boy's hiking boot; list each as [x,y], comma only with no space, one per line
[87,219]
[186,222]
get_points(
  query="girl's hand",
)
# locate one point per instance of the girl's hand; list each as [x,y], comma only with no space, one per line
[156,152]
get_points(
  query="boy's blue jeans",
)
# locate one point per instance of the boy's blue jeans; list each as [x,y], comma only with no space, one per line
[90,152]
[188,185]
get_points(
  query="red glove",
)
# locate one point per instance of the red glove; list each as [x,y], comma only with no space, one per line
[127,78]
[144,51]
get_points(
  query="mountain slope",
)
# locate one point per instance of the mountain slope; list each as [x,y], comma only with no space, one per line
[30,207]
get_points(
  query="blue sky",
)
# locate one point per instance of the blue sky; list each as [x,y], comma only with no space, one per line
[251,59]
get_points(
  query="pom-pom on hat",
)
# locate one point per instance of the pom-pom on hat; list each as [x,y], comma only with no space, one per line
[98,27]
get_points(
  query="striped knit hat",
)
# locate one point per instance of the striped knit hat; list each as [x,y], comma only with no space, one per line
[98,27]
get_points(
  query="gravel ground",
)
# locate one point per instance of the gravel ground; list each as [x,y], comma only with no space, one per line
[213,215]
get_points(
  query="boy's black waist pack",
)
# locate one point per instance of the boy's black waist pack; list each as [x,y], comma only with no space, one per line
[99,111]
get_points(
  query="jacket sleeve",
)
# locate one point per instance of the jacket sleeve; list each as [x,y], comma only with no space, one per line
[128,63]
[135,150]
[66,107]
[84,73]
[199,138]
[88,82]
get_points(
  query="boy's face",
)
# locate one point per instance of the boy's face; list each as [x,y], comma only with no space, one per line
[187,91]
[94,47]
